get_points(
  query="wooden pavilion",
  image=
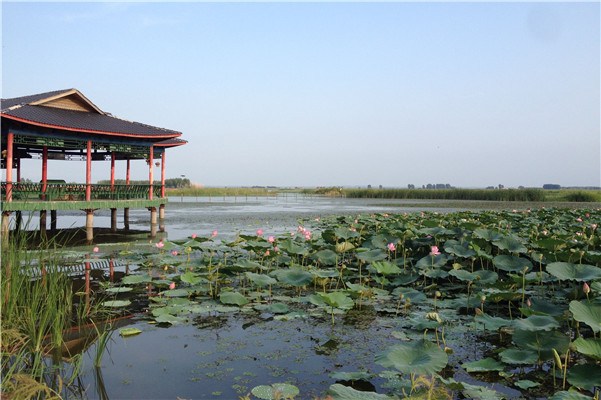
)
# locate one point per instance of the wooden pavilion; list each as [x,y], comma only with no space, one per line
[65,125]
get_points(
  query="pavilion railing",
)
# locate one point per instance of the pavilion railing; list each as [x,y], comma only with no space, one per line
[22,191]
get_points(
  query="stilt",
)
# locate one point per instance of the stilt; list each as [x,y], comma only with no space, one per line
[5,226]
[18,220]
[52,220]
[113,220]
[89,225]
[126,218]
[43,214]
[162,218]
[153,221]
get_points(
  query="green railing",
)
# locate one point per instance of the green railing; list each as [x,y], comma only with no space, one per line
[76,191]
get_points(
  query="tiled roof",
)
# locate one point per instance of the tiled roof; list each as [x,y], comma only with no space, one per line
[20,109]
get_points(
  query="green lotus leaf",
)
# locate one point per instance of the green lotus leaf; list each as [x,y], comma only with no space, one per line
[247,264]
[325,273]
[589,347]
[293,248]
[191,278]
[170,319]
[260,279]
[420,357]
[129,332]
[409,294]
[463,275]
[317,300]
[550,244]
[492,323]
[540,307]
[574,272]
[233,298]
[536,322]
[483,365]
[279,308]
[459,249]
[542,342]
[588,313]
[431,261]
[511,263]
[488,235]
[176,293]
[134,279]
[338,300]
[344,247]
[345,233]
[342,392]
[295,277]
[326,257]
[486,277]
[349,376]
[275,391]
[526,384]
[372,255]
[565,395]
[511,244]
[519,356]
[386,268]
[291,315]
[585,376]
[119,289]
[116,303]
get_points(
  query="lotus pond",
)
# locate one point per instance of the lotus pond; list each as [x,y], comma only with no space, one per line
[486,304]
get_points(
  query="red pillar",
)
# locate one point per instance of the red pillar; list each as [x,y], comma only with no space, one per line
[9,167]
[18,168]
[150,178]
[112,170]
[127,174]
[89,171]
[163,175]
[44,170]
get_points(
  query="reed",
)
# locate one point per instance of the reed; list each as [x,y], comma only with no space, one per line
[220,192]
[449,194]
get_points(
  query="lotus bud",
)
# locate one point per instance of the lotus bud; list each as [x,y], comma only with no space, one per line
[528,302]
[586,288]
[482,298]
[438,294]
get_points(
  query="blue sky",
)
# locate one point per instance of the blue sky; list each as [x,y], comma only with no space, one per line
[321,94]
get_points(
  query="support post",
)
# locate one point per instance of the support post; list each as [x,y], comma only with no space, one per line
[43,222]
[44,171]
[163,176]
[150,176]
[162,218]
[127,173]
[9,167]
[52,220]
[126,218]
[113,220]
[89,172]
[153,221]
[89,225]
[112,171]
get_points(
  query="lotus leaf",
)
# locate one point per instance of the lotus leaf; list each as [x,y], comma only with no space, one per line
[129,332]
[344,247]
[260,279]
[345,233]
[326,257]
[565,395]
[247,264]
[511,244]
[588,313]
[338,300]
[589,347]
[191,278]
[463,275]
[279,308]
[487,234]
[170,319]
[295,277]
[419,357]
[119,289]
[486,277]
[349,376]
[492,323]
[484,365]
[519,356]
[386,268]
[511,263]
[526,384]
[542,342]
[293,248]
[176,293]
[116,303]
[431,261]
[342,392]
[233,298]
[536,323]
[275,391]
[585,376]
[459,249]
[134,279]
[409,294]
[372,255]
[575,272]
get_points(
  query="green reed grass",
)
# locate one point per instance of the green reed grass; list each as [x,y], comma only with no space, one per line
[449,194]
[221,192]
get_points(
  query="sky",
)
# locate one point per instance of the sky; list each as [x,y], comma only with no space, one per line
[312,94]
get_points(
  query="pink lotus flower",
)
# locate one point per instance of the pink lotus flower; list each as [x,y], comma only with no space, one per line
[166,267]
[586,288]
[194,236]
[391,247]
[160,245]
[316,219]
[259,232]
[594,226]
[96,249]
[434,251]
[579,219]
[528,302]
[214,233]
[267,253]
[172,286]
[276,248]
[356,221]
[271,239]
[544,232]
[174,252]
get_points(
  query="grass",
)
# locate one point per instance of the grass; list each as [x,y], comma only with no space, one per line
[221,192]
[37,307]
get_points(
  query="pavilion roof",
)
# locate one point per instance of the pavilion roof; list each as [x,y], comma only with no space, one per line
[71,111]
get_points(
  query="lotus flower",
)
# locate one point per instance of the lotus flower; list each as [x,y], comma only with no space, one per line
[259,232]
[96,249]
[391,247]
[172,286]
[271,239]
[434,251]
[586,288]
[194,236]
